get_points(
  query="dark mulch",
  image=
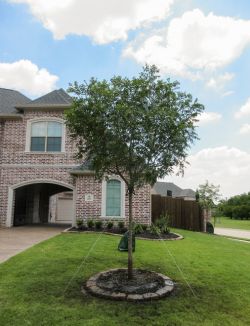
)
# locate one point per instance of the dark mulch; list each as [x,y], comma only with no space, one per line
[142,282]
[113,230]
[148,235]
[145,235]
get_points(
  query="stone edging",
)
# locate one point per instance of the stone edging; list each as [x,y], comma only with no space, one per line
[180,237]
[92,287]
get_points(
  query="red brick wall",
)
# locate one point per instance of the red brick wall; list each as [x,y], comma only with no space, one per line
[18,166]
[88,185]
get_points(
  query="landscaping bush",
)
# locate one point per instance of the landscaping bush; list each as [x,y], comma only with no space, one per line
[154,229]
[79,223]
[138,229]
[209,228]
[163,223]
[110,225]
[90,223]
[121,225]
[98,225]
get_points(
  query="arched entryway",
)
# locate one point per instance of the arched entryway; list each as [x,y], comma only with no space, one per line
[38,202]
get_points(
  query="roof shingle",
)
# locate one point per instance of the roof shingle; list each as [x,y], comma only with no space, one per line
[56,97]
[9,99]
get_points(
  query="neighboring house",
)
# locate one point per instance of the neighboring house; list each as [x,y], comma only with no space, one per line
[39,174]
[170,189]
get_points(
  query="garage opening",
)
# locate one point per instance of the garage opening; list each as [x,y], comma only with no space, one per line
[43,203]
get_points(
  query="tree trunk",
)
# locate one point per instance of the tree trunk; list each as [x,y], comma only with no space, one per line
[130,236]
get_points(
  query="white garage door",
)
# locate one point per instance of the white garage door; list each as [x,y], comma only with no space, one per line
[64,210]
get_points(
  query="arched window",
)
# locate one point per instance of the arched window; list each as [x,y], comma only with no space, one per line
[46,136]
[113,198]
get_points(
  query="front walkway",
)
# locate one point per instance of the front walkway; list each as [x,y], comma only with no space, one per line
[236,233]
[16,239]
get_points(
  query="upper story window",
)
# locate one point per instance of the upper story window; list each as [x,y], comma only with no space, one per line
[45,135]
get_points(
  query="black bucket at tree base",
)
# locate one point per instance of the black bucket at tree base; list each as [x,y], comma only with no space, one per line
[123,244]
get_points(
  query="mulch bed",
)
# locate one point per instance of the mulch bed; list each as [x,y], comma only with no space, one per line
[114,284]
[118,231]
[143,281]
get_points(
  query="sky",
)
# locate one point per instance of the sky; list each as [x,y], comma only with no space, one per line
[205,45]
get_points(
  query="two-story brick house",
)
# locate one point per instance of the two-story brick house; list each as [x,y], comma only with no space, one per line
[37,161]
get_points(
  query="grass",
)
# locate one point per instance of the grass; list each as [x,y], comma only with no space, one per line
[226,222]
[41,286]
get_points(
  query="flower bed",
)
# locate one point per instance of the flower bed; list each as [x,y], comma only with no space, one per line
[116,231]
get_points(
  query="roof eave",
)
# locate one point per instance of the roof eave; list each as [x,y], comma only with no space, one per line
[10,116]
[43,106]
[81,172]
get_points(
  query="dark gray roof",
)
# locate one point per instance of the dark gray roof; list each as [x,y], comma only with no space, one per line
[161,188]
[84,168]
[9,99]
[56,97]
[187,193]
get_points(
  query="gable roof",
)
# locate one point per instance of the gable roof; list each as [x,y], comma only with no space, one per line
[161,188]
[9,99]
[57,98]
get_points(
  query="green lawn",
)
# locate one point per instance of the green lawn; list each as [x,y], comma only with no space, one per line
[226,222]
[41,286]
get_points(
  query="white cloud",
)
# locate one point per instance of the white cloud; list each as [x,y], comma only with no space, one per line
[224,166]
[193,46]
[218,83]
[25,76]
[228,93]
[208,117]
[244,110]
[104,21]
[245,129]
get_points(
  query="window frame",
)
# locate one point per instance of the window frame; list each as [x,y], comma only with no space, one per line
[104,198]
[28,135]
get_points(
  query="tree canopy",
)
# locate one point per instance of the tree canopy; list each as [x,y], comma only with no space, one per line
[139,128]
[208,195]
[237,207]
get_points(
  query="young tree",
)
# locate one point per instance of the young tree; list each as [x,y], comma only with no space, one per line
[139,129]
[208,195]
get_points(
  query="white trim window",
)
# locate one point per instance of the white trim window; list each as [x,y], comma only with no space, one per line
[113,197]
[45,136]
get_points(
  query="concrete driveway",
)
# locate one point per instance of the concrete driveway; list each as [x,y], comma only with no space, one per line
[16,239]
[237,233]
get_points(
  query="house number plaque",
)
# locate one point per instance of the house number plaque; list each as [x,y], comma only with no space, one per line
[89,197]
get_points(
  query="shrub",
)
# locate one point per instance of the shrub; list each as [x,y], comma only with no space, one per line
[110,225]
[138,228]
[121,225]
[144,227]
[154,229]
[98,225]
[209,228]
[163,223]
[90,223]
[79,223]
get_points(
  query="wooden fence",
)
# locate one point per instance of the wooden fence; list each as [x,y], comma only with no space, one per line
[184,214]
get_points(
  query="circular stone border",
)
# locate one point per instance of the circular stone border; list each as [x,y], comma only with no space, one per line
[92,287]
